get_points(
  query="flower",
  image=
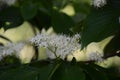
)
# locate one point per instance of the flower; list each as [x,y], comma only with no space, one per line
[119,19]
[95,56]
[99,3]
[57,45]
[8,2]
[11,49]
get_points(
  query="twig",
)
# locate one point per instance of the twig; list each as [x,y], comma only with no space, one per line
[5,38]
[104,57]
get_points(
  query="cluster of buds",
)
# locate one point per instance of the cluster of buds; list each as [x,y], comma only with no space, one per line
[99,3]
[57,45]
[11,49]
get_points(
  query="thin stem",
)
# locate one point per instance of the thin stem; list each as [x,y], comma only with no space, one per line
[55,68]
[104,57]
[54,52]
[3,37]
[111,55]
[35,47]
[36,52]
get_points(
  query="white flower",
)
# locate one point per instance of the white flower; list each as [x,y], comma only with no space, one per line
[119,19]
[57,45]
[11,49]
[95,56]
[40,40]
[99,3]
[8,2]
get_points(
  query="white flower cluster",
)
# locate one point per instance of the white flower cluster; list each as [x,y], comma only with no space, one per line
[99,3]
[95,56]
[8,2]
[57,45]
[10,49]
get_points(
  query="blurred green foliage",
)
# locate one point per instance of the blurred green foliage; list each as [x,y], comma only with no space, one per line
[94,24]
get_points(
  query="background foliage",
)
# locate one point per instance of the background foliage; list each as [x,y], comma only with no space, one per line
[88,20]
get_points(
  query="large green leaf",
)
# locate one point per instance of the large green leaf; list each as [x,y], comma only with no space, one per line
[114,4]
[94,72]
[40,70]
[60,4]
[20,73]
[101,23]
[61,22]
[46,69]
[10,18]
[42,19]
[81,7]
[9,60]
[45,3]
[113,73]
[28,10]
[113,46]
[68,71]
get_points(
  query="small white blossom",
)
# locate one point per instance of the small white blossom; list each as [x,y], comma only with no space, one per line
[10,49]
[95,56]
[57,45]
[99,3]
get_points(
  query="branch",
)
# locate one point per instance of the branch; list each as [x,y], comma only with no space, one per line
[104,57]
[5,38]
[111,55]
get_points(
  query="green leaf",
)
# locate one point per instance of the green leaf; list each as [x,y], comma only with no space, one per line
[46,69]
[60,4]
[114,4]
[28,10]
[100,24]
[10,18]
[68,71]
[9,61]
[40,70]
[48,4]
[20,73]
[113,73]
[95,72]
[61,22]
[113,46]
[81,7]
[41,20]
